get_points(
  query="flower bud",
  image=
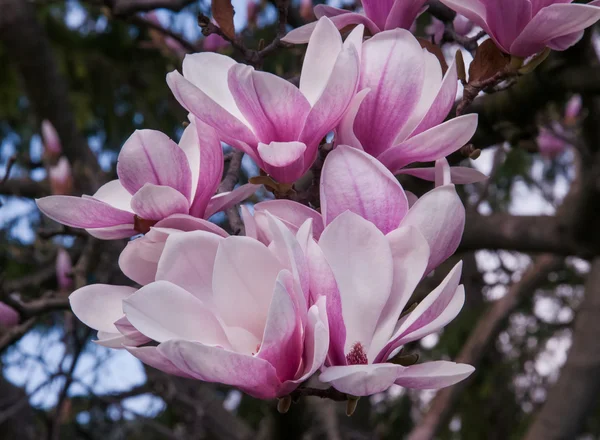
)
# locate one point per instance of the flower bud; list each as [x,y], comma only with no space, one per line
[213,43]
[50,139]
[550,145]
[64,269]
[573,109]
[306,10]
[9,317]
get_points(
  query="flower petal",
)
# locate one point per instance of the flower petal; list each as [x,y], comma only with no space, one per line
[282,339]
[231,129]
[243,282]
[208,72]
[403,13]
[274,107]
[153,357]
[552,22]
[292,214]
[226,200]
[458,175]
[188,260]
[252,375]
[344,133]
[304,33]
[149,156]
[83,212]
[153,202]
[333,102]
[440,216]
[284,161]
[99,305]
[361,260]
[410,253]
[115,194]
[355,181]
[393,67]
[361,380]
[210,167]
[432,144]
[434,375]
[435,311]
[164,311]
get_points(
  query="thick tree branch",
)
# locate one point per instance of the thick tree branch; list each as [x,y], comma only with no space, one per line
[576,393]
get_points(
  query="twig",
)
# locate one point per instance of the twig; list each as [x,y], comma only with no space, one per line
[231,179]
[140,21]
[127,7]
[469,43]
[9,165]
[473,88]
[329,393]
[15,333]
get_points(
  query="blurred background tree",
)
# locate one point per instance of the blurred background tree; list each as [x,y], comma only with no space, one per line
[96,70]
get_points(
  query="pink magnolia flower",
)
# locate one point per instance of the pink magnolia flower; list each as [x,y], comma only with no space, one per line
[64,269]
[526,27]
[367,329]
[157,178]
[61,177]
[9,317]
[50,139]
[277,124]
[352,180]
[228,310]
[378,15]
[398,114]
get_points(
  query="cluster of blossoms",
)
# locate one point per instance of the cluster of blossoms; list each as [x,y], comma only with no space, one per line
[304,290]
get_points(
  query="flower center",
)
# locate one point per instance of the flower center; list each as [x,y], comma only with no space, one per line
[142,225]
[357,355]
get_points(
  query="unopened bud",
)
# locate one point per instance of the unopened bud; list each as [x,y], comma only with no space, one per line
[351,405]
[9,317]
[573,109]
[50,139]
[283,405]
[64,270]
[306,10]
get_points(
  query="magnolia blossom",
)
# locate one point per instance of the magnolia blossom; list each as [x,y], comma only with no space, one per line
[526,27]
[9,317]
[398,114]
[378,15]
[351,180]
[228,310]
[157,178]
[277,124]
[371,279]
[550,143]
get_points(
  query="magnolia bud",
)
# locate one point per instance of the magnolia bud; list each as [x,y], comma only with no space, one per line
[64,269]
[213,43]
[573,109]
[550,145]
[306,10]
[50,139]
[9,317]
[61,178]
[252,13]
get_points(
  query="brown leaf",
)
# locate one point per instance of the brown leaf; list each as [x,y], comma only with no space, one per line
[488,61]
[435,50]
[222,12]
